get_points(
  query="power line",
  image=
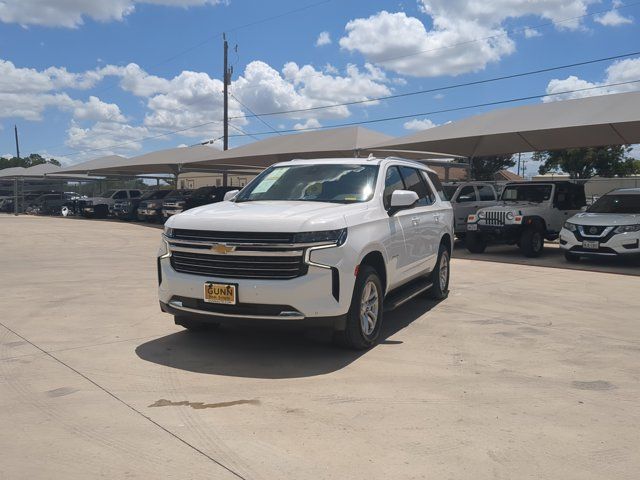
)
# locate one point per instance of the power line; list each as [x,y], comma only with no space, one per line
[439,89]
[379,120]
[253,114]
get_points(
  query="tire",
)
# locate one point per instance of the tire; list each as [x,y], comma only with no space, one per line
[475,242]
[571,257]
[362,328]
[194,325]
[532,242]
[440,276]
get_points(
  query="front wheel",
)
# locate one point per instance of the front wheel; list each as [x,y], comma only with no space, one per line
[531,242]
[364,318]
[475,242]
[440,276]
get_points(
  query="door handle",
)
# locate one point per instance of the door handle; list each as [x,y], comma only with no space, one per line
[415,220]
[436,217]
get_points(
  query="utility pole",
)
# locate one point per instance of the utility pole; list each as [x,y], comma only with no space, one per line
[15,180]
[519,163]
[228,72]
[15,129]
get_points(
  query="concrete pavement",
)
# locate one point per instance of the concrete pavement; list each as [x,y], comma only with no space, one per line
[523,372]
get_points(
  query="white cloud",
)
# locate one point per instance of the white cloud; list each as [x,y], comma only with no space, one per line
[97,110]
[323,39]
[71,13]
[417,124]
[618,72]
[135,80]
[531,32]
[105,136]
[311,123]
[264,89]
[613,18]
[465,36]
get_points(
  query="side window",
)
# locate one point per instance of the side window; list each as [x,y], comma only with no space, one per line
[437,184]
[393,181]
[467,194]
[134,193]
[416,183]
[486,193]
[120,194]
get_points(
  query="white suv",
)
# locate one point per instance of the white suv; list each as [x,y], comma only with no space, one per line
[329,242]
[609,228]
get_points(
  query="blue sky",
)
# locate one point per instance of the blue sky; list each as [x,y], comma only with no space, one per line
[88,78]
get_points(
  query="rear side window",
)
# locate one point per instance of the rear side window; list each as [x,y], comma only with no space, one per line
[134,193]
[120,195]
[392,182]
[486,193]
[416,183]
[467,194]
[437,184]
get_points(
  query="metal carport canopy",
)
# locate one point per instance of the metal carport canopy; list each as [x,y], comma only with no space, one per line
[587,122]
[336,142]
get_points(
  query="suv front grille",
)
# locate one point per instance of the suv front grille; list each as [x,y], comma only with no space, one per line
[495,218]
[238,266]
[232,237]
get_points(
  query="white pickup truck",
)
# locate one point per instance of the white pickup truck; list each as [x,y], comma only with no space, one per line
[331,242]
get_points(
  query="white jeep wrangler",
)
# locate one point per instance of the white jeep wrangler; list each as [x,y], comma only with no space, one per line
[528,213]
[329,242]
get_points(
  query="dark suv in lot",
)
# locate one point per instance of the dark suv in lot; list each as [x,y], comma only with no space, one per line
[175,202]
[206,195]
[131,208]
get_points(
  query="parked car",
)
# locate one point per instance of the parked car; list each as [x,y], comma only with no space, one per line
[206,195]
[466,199]
[175,202]
[103,205]
[6,204]
[528,213]
[51,203]
[128,209]
[609,228]
[329,242]
[150,208]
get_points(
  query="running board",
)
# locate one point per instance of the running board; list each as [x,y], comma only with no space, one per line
[405,293]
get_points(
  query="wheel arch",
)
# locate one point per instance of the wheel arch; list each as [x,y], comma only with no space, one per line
[375,259]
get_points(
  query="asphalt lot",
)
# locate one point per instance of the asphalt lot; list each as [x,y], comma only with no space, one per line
[523,372]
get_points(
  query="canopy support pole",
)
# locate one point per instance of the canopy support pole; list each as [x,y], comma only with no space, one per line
[15,196]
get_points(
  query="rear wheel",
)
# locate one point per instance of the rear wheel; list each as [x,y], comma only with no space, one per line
[571,257]
[364,318]
[475,242]
[531,242]
[440,276]
[194,325]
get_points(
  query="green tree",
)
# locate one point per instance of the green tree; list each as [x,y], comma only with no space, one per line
[485,168]
[606,161]
[26,162]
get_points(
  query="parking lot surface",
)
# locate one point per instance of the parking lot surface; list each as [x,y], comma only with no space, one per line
[523,372]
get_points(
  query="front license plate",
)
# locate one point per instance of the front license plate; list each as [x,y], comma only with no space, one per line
[590,245]
[220,293]
[472,226]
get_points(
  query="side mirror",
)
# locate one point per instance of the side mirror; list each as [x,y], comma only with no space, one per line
[402,199]
[231,195]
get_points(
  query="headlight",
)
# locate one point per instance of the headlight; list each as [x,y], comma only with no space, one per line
[628,228]
[572,227]
[482,214]
[328,236]
[181,203]
[510,216]
[168,232]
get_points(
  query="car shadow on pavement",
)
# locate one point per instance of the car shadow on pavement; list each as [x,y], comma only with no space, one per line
[272,354]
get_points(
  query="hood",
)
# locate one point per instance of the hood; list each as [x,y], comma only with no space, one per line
[605,219]
[266,216]
[512,206]
[96,199]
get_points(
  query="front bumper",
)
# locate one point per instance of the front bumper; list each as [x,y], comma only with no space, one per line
[150,212]
[322,295]
[611,245]
[168,212]
[506,233]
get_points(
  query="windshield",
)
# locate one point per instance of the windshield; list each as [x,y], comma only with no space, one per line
[449,191]
[334,183]
[154,195]
[616,204]
[527,193]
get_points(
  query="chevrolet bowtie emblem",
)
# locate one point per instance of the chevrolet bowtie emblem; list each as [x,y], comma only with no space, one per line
[222,249]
